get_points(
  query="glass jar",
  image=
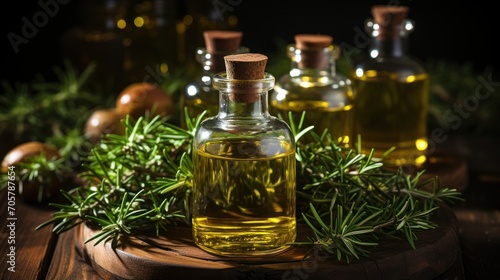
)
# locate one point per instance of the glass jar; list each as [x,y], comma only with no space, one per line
[392,91]
[313,86]
[244,185]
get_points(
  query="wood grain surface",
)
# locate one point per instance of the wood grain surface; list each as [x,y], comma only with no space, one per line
[437,256]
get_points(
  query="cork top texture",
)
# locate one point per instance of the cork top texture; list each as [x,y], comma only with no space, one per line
[248,66]
[389,19]
[312,48]
[312,41]
[242,68]
[222,41]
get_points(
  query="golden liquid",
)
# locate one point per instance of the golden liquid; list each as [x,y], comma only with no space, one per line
[393,112]
[244,197]
[338,119]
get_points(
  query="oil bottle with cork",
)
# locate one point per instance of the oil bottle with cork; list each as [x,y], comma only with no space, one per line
[314,86]
[392,91]
[200,94]
[244,185]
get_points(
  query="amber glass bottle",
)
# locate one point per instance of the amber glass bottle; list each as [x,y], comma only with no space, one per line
[392,91]
[200,94]
[244,158]
[314,86]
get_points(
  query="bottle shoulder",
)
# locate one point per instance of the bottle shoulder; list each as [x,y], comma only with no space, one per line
[199,86]
[214,128]
[334,93]
[403,66]
[331,83]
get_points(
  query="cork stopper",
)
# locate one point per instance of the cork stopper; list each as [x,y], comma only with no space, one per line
[222,41]
[313,42]
[312,50]
[389,18]
[246,67]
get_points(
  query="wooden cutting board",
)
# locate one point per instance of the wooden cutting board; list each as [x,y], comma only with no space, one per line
[175,256]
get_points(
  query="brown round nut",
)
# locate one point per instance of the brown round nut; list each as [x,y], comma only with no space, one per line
[141,99]
[32,191]
[102,122]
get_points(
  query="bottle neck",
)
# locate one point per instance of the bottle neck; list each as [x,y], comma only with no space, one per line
[389,41]
[395,46]
[243,99]
[311,64]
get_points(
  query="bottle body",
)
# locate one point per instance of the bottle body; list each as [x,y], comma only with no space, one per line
[244,188]
[200,94]
[326,97]
[392,103]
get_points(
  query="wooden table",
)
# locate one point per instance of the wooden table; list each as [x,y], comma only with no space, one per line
[44,255]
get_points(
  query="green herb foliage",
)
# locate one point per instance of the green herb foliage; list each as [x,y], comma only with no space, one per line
[351,201]
[140,184]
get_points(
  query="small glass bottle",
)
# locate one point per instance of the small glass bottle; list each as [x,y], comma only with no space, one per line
[392,92]
[245,181]
[200,94]
[314,86]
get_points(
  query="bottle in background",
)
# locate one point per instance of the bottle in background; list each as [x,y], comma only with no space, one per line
[314,86]
[200,94]
[392,91]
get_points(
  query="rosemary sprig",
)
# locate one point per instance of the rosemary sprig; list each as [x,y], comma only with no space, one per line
[350,201]
[41,109]
[136,183]
[140,184]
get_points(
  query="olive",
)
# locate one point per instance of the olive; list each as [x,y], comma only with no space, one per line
[102,122]
[34,190]
[141,99]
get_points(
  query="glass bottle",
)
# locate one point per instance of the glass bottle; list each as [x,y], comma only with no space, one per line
[392,92]
[98,39]
[200,94]
[314,86]
[200,16]
[244,185]
[151,42]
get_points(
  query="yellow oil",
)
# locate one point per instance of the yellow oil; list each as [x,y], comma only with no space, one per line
[326,109]
[392,112]
[244,201]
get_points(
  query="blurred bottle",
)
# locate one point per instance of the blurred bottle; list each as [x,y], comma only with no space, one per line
[200,16]
[392,90]
[313,86]
[98,39]
[130,41]
[151,40]
[200,94]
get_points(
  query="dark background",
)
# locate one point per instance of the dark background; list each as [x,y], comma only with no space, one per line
[444,30]
[450,31]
